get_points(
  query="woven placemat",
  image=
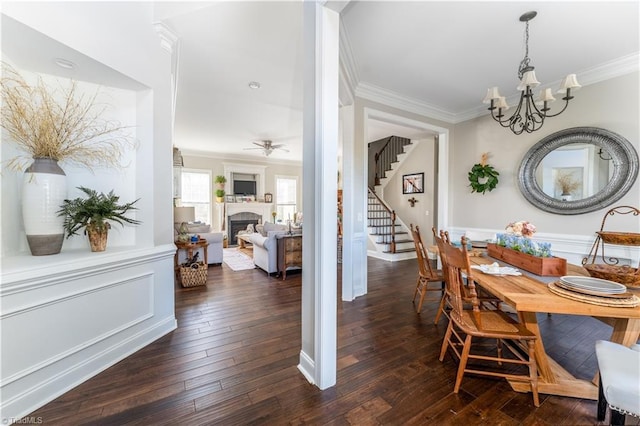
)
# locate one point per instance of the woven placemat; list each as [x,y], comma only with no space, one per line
[629,302]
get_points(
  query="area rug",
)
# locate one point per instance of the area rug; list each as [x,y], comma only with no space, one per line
[237,260]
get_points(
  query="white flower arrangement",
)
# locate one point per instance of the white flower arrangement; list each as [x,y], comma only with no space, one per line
[521,229]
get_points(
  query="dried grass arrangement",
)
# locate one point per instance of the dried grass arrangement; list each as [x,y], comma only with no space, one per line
[567,183]
[61,124]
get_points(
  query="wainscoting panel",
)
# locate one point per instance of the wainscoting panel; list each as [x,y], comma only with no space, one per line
[58,332]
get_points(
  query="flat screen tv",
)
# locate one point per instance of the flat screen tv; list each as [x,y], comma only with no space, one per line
[244,187]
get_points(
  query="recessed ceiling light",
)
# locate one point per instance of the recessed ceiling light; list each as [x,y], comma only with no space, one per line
[64,63]
[254,85]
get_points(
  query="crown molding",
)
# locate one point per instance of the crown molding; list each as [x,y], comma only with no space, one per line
[387,97]
[612,69]
[168,38]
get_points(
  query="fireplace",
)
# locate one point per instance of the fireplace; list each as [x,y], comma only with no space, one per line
[259,211]
[238,222]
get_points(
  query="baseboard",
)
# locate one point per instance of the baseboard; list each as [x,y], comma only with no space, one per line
[60,382]
[391,257]
[307,367]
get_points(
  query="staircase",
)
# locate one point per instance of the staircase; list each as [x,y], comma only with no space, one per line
[383,155]
[387,233]
[383,231]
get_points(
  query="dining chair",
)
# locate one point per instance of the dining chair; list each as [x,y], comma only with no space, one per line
[427,275]
[486,300]
[465,325]
[619,386]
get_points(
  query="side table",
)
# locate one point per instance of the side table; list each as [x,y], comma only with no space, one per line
[289,253]
[190,247]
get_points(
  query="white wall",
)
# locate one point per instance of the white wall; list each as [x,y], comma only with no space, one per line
[67,317]
[612,105]
[420,160]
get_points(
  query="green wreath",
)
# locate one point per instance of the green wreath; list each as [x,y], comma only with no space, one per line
[483,171]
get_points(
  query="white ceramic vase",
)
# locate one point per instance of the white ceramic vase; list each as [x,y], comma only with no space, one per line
[44,189]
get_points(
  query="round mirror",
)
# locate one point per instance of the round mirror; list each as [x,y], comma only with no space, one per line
[578,170]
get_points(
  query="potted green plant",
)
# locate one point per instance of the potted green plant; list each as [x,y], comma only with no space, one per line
[93,214]
[220,195]
[220,181]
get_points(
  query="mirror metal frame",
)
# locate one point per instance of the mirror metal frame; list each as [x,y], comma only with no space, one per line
[625,170]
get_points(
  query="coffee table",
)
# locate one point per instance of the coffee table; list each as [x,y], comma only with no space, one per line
[243,239]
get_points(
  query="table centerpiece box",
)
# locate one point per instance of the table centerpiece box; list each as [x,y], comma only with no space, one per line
[544,266]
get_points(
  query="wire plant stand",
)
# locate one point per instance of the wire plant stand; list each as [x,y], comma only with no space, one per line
[610,269]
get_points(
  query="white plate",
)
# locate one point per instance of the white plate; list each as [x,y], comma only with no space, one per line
[593,284]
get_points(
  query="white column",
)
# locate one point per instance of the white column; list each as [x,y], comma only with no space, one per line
[354,185]
[320,149]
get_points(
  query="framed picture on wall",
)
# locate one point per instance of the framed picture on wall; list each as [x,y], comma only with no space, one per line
[268,198]
[413,183]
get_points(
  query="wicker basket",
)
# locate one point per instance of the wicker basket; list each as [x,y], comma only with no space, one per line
[194,275]
[622,238]
[621,274]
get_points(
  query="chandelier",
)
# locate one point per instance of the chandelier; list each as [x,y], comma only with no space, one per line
[530,114]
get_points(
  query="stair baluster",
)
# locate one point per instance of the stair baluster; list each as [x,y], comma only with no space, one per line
[392,215]
[393,231]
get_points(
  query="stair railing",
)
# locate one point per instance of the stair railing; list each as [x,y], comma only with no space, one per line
[387,155]
[377,164]
[392,215]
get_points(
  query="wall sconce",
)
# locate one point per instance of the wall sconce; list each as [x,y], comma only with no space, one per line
[412,201]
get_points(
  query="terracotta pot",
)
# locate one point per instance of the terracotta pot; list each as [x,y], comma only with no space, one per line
[98,237]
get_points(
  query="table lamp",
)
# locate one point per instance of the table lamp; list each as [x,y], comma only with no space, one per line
[183,215]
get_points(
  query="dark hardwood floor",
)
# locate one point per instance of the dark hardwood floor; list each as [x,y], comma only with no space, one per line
[233,358]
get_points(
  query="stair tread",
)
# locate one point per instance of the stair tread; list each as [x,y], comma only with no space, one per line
[389,233]
[397,242]
[401,251]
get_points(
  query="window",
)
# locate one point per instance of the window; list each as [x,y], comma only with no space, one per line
[196,192]
[286,196]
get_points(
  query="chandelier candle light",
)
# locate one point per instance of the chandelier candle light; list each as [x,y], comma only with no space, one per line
[527,116]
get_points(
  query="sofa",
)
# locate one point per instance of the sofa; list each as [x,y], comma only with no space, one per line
[265,245]
[215,240]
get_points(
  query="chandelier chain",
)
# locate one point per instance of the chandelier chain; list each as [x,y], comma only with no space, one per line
[524,64]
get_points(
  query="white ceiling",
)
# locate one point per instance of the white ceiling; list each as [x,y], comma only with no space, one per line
[441,56]
[437,57]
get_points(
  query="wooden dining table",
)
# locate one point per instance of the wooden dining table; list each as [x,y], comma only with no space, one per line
[529,295]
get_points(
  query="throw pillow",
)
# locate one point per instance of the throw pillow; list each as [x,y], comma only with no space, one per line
[199,228]
[268,226]
[260,230]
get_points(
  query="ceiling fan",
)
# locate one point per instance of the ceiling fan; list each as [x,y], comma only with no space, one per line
[268,146]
